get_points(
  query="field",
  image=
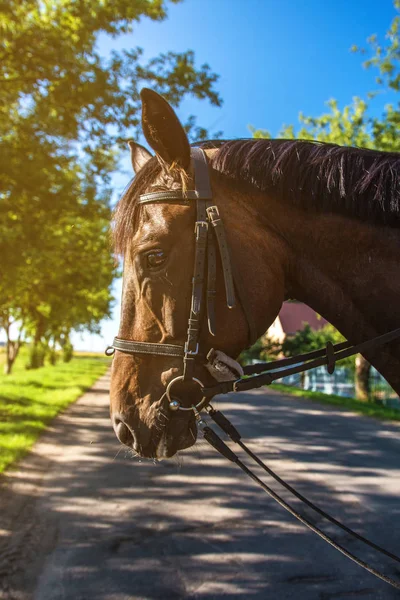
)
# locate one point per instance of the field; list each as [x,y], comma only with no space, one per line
[370,409]
[29,400]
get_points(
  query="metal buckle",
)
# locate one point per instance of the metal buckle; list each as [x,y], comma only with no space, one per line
[199,224]
[213,213]
[191,352]
[234,387]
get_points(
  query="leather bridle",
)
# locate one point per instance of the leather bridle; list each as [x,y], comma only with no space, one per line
[210,235]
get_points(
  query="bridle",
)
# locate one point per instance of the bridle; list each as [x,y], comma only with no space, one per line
[210,235]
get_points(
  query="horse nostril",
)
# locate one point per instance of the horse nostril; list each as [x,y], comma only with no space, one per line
[123,432]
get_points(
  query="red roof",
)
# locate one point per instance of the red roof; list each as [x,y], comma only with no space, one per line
[294,315]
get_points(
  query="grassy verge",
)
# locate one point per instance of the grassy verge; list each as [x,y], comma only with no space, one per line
[370,409]
[29,400]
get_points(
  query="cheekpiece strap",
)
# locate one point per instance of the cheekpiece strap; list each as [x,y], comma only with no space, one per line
[202,177]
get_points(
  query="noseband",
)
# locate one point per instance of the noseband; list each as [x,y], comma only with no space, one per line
[209,236]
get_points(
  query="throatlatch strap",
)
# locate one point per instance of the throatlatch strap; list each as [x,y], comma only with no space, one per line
[244,302]
[211,281]
[213,215]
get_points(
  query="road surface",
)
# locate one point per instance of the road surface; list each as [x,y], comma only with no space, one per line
[82,519]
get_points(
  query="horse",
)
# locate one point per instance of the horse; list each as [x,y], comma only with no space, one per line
[303,220]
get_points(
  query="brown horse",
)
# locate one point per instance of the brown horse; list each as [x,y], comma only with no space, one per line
[304,220]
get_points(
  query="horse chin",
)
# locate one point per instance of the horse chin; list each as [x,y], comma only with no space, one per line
[179,435]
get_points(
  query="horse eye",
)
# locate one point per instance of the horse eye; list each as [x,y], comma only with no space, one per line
[155,259]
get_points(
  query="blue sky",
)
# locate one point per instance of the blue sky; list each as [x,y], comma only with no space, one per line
[275,58]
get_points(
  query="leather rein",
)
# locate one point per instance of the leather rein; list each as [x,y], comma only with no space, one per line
[210,236]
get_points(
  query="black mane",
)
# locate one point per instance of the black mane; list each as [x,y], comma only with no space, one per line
[324,177]
[360,183]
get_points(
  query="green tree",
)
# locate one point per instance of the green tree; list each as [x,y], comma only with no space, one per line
[354,126]
[56,83]
[384,57]
[59,268]
[66,112]
[264,349]
[347,127]
[308,339]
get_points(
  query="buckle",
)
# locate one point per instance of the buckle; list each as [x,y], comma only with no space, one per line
[198,225]
[235,385]
[191,352]
[213,214]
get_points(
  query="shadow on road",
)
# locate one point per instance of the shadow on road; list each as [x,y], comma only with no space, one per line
[114,528]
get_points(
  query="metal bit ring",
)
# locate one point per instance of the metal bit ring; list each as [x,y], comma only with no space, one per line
[173,401]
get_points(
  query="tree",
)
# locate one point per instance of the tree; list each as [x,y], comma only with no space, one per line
[263,349]
[76,270]
[362,378]
[385,58]
[307,340]
[353,126]
[54,80]
[65,115]
[59,268]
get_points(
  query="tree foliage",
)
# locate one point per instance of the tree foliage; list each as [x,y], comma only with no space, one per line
[54,79]
[66,112]
[264,349]
[354,126]
[308,339]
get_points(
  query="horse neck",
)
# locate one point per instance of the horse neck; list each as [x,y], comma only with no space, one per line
[348,271]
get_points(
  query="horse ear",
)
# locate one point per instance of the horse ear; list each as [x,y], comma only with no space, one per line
[139,155]
[163,130]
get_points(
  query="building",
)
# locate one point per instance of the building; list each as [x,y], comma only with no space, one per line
[292,318]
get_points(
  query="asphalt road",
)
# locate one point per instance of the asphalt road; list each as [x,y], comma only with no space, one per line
[81,519]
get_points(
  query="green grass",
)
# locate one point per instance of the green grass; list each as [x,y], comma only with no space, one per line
[29,400]
[370,409]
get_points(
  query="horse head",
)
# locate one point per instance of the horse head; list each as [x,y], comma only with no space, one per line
[156,234]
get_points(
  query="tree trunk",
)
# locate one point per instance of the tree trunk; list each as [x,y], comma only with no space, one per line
[12,348]
[362,383]
[38,349]
[53,352]
[12,352]
[302,380]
